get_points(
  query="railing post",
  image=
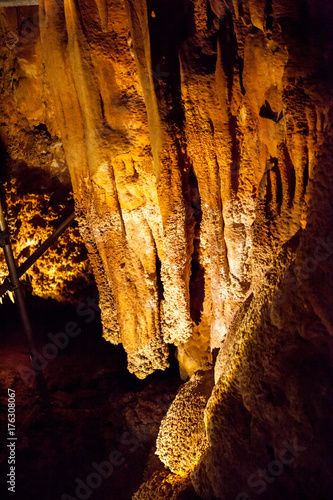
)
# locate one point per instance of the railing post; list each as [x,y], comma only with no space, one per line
[20,301]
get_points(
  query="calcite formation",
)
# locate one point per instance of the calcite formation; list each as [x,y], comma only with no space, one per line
[35,205]
[182,438]
[198,139]
[185,144]
[166,486]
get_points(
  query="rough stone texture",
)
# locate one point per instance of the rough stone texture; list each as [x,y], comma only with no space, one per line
[273,373]
[272,401]
[182,438]
[36,203]
[28,129]
[98,408]
[166,486]
[190,132]
[198,137]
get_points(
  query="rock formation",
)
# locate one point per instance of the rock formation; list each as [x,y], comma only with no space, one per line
[35,203]
[182,438]
[198,139]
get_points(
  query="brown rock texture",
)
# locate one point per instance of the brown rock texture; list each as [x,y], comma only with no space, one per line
[182,438]
[28,129]
[198,138]
[36,204]
[166,486]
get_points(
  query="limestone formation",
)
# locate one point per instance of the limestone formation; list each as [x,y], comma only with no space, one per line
[182,436]
[166,486]
[184,139]
[35,202]
[197,135]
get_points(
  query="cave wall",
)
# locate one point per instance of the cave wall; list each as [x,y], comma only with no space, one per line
[198,138]
[190,139]
[29,130]
[190,130]
[36,203]
[34,178]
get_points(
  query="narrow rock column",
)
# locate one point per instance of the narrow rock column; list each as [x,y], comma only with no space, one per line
[104,130]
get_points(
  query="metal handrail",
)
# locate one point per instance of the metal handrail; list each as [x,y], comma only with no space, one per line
[16,286]
[23,268]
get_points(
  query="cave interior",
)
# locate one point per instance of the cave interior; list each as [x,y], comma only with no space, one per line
[166,249]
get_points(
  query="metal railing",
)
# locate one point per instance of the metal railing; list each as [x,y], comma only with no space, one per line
[13,283]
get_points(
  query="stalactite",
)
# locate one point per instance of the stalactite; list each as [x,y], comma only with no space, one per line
[197,136]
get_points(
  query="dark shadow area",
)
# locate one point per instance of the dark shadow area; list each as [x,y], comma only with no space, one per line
[291,175]
[267,112]
[197,278]
[98,409]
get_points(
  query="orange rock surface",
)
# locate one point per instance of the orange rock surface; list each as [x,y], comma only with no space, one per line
[198,139]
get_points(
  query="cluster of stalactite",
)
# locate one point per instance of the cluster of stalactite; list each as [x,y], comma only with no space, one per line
[189,139]
[197,136]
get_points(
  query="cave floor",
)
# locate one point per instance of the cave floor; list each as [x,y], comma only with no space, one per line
[99,412]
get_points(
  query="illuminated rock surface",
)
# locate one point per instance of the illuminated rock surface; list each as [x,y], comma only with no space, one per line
[182,438]
[34,204]
[198,139]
